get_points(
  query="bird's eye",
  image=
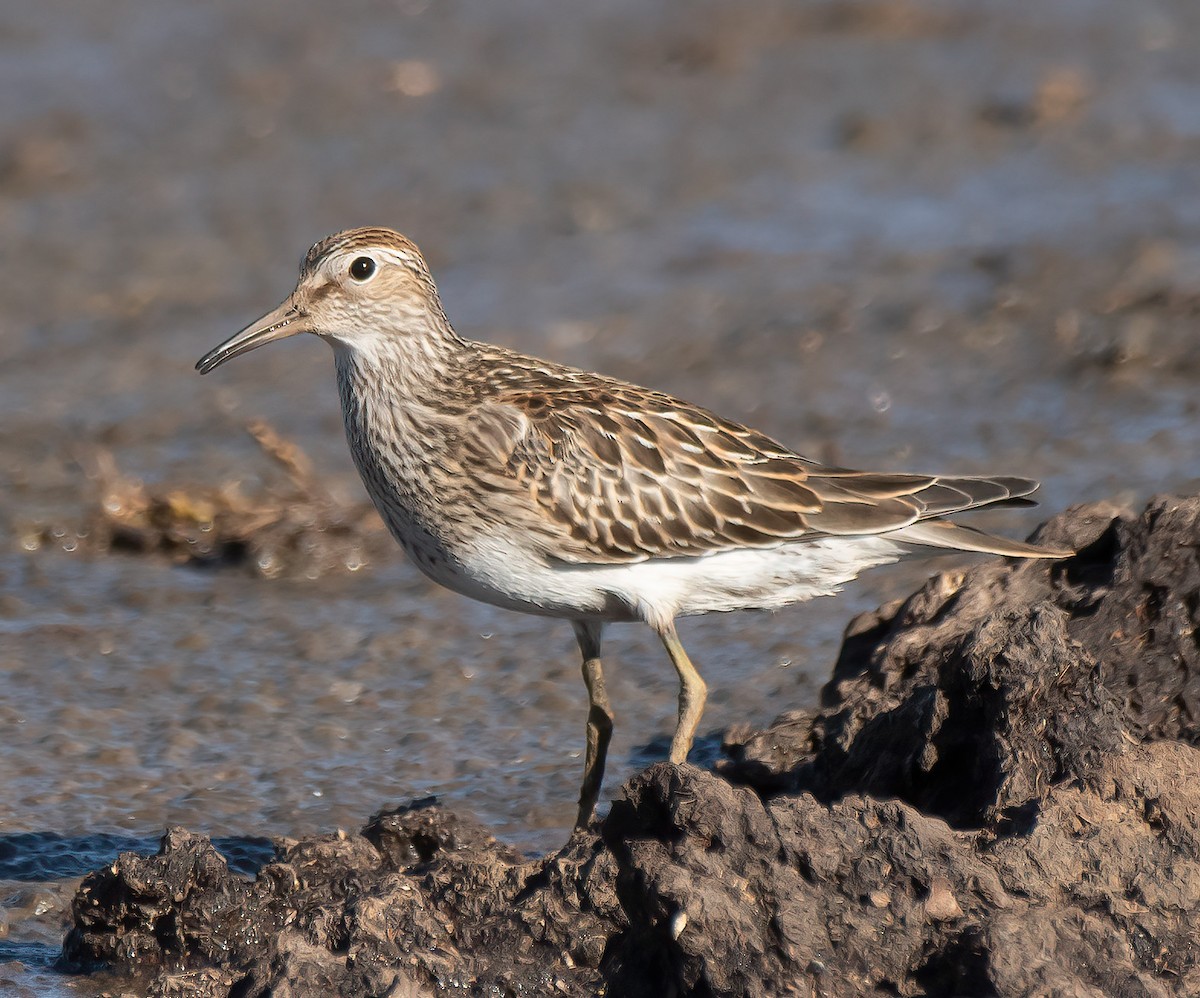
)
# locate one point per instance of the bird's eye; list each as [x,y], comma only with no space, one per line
[362,268]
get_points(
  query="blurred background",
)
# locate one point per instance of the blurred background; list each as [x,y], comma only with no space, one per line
[927,235]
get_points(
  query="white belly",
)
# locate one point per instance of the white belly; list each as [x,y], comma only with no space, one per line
[503,574]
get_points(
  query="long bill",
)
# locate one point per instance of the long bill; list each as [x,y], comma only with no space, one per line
[287,320]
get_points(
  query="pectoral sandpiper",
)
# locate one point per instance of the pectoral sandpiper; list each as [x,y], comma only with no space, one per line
[550,490]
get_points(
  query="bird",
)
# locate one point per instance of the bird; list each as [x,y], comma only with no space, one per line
[549,490]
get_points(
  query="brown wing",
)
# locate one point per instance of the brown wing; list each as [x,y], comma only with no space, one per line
[629,474]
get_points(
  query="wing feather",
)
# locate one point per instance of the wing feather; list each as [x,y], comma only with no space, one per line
[619,474]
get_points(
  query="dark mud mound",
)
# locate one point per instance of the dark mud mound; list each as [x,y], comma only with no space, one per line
[420,902]
[977,693]
[999,796]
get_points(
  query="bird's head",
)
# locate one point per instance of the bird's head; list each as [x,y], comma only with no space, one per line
[358,290]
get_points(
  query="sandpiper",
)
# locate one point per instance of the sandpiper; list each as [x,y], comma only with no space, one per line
[541,488]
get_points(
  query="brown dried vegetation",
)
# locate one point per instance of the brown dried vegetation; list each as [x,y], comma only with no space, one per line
[290,526]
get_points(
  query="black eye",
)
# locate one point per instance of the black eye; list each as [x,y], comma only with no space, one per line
[362,268]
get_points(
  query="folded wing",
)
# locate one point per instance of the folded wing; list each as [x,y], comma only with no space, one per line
[630,475]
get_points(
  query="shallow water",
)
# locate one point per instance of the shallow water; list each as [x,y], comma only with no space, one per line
[920,236]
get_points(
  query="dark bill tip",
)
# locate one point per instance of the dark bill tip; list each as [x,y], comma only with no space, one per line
[277,325]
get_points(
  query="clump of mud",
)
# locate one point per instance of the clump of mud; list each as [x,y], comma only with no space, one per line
[997,796]
[290,526]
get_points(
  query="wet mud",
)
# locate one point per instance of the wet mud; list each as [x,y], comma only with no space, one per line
[998,797]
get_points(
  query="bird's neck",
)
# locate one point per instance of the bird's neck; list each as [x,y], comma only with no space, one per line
[394,406]
[408,367]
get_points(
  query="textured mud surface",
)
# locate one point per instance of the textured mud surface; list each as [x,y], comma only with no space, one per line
[998,797]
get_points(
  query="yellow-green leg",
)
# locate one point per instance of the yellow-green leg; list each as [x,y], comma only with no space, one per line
[599,721]
[692,693]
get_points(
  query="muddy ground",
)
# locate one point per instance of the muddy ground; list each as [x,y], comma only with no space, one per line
[997,797]
[909,235]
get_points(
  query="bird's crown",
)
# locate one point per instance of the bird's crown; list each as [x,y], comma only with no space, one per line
[371,238]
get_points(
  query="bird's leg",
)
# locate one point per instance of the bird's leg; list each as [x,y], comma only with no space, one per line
[599,721]
[692,693]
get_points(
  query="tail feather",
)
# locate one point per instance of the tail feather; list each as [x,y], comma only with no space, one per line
[957,537]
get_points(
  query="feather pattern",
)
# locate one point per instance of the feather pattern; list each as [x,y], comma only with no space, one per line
[619,474]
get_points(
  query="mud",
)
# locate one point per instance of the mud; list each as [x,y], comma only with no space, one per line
[932,697]
[998,797]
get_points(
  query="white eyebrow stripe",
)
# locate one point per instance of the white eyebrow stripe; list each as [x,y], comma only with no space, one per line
[398,257]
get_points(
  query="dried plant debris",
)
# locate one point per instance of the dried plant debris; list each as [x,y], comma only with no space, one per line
[291,527]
